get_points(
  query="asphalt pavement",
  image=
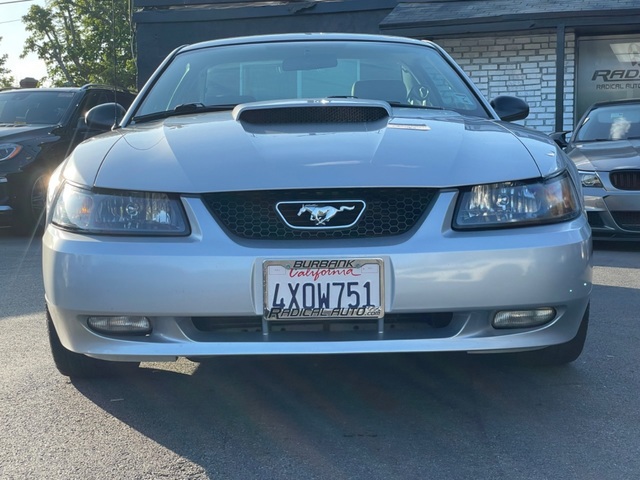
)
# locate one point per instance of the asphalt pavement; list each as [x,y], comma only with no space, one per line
[409,416]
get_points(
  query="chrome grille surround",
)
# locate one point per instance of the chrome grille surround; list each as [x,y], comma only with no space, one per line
[253,215]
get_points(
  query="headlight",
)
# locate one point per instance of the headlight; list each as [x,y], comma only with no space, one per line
[512,204]
[9,150]
[590,179]
[54,185]
[118,212]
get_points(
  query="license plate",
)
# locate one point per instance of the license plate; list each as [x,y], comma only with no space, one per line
[323,289]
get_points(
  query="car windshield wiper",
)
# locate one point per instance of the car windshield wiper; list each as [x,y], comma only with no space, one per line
[393,104]
[183,109]
[410,105]
[589,140]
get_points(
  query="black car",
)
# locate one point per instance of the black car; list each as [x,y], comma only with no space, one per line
[39,127]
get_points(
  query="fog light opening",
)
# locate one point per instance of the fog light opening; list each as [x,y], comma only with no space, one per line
[523,318]
[121,325]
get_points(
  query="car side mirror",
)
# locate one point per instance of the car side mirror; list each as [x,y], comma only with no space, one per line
[105,116]
[510,108]
[560,138]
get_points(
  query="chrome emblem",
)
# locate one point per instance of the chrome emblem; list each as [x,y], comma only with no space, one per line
[314,215]
[322,214]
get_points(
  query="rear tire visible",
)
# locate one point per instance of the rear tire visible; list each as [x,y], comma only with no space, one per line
[75,365]
[561,354]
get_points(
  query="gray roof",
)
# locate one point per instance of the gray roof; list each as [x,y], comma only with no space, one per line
[467,16]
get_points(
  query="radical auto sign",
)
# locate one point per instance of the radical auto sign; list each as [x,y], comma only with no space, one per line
[608,69]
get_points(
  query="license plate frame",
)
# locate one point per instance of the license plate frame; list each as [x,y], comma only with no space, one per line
[342,281]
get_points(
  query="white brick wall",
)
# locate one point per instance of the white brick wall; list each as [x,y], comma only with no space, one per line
[524,66]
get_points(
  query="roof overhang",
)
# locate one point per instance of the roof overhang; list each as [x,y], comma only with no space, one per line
[448,18]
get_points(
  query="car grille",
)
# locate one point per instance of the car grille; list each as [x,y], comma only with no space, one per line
[393,327]
[625,179]
[627,220]
[252,215]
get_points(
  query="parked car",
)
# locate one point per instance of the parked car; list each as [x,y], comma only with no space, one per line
[606,149]
[314,194]
[39,127]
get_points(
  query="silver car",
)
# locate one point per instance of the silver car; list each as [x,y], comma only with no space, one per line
[606,149]
[314,194]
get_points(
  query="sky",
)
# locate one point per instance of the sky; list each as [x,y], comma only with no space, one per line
[13,37]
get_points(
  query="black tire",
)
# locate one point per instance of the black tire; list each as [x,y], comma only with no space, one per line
[75,365]
[32,201]
[561,354]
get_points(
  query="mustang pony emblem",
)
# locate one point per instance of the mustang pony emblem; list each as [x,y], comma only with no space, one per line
[322,214]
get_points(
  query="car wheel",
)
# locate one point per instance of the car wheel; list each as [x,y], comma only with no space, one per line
[562,354]
[32,201]
[75,365]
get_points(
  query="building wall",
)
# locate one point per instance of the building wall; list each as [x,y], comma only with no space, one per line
[159,31]
[524,66]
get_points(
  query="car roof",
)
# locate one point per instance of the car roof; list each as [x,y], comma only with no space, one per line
[89,86]
[296,37]
[45,89]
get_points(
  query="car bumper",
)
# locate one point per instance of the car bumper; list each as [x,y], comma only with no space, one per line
[6,211]
[613,215]
[190,286]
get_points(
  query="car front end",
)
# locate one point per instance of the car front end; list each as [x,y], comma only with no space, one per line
[29,134]
[315,226]
[606,151]
[613,212]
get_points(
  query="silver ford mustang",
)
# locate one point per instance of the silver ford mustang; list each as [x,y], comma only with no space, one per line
[313,194]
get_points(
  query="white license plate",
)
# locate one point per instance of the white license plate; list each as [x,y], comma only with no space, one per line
[323,289]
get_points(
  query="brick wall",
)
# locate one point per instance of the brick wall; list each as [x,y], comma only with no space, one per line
[523,66]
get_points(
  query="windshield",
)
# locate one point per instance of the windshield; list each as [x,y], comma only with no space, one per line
[33,107]
[401,74]
[610,122]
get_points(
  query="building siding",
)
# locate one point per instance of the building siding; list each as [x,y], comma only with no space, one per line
[524,66]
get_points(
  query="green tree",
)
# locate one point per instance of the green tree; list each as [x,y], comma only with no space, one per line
[6,80]
[83,41]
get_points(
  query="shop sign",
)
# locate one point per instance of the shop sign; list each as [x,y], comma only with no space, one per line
[608,68]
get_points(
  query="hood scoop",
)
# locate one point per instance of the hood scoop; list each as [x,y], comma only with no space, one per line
[312,112]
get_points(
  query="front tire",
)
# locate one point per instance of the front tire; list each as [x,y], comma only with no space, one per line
[557,355]
[75,365]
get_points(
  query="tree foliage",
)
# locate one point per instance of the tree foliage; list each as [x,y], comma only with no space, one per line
[6,80]
[83,41]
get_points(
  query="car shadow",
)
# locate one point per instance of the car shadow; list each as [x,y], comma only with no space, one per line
[327,414]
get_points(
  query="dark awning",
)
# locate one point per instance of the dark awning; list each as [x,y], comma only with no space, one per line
[440,18]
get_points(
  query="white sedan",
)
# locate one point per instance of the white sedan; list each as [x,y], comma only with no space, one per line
[313,194]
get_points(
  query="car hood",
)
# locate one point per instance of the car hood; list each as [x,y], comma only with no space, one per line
[18,133]
[219,152]
[607,156]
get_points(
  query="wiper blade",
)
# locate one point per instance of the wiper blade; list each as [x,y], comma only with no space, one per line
[392,103]
[183,109]
[189,107]
[410,105]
